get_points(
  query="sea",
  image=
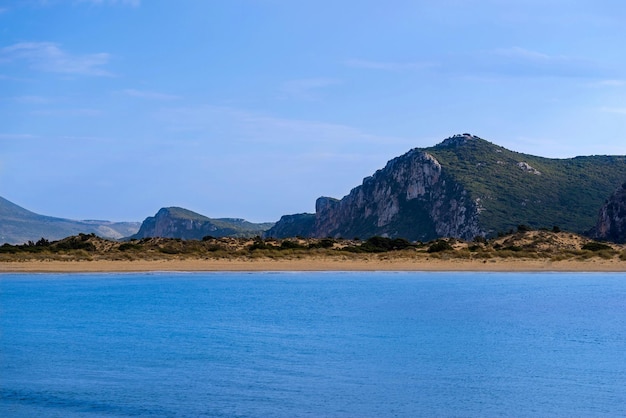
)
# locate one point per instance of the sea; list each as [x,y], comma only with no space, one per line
[303,344]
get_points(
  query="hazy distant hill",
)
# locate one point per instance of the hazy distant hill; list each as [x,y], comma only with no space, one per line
[465,187]
[18,225]
[177,222]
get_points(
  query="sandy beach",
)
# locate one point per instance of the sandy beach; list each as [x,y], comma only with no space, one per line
[312,264]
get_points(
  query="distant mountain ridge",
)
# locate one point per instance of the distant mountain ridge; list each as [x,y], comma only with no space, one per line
[19,225]
[175,222]
[466,187]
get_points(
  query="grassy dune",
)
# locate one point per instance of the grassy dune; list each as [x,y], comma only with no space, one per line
[524,245]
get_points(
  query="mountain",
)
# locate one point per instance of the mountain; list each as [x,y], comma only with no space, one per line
[176,222]
[298,225]
[466,187]
[18,225]
[611,225]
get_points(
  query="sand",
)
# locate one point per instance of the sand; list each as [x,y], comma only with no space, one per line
[316,264]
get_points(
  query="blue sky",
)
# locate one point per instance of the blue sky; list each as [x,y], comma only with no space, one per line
[112,109]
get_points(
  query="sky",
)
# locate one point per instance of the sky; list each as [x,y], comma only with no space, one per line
[112,109]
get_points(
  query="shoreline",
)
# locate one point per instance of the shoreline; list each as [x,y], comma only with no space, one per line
[312,264]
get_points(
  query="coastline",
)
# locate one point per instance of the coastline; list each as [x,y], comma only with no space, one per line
[313,264]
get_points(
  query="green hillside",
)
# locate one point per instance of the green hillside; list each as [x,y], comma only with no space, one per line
[513,188]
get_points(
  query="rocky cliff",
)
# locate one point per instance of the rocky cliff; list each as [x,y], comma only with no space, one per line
[176,222]
[611,225]
[466,187]
[411,197]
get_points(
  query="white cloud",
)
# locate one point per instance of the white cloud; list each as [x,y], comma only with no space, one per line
[49,57]
[151,95]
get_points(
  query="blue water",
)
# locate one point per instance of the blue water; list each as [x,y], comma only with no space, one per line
[312,344]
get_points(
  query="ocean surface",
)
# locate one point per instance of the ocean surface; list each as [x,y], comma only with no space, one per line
[313,344]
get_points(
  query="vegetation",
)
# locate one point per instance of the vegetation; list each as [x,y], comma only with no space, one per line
[536,244]
[567,192]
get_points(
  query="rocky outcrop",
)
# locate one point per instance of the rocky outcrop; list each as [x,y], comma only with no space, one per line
[181,223]
[611,225]
[411,197]
[298,225]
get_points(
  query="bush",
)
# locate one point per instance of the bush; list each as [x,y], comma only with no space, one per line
[324,243]
[8,249]
[79,242]
[128,246]
[479,239]
[259,244]
[383,244]
[596,246]
[439,246]
[290,245]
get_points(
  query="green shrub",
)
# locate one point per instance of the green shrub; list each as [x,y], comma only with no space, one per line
[75,243]
[596,246]
[382,244]
[128,246]
[324,243]
[439,246]
[290,245]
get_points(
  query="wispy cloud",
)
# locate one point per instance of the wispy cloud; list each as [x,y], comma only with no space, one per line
[501,62]
[67,112]
[610,83]
[271,131]
[307,89]
[133,3]
[17,137]
[618,110]
[389,65]
[517,61]
[50,57]
[150,95]
[32,99]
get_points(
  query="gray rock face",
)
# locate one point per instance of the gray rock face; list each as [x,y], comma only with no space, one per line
[611,225]
[410,197]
